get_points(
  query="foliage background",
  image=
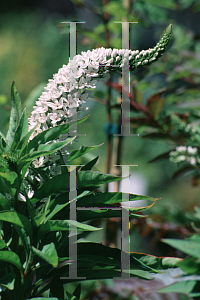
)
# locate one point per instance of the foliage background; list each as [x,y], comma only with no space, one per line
[33,46]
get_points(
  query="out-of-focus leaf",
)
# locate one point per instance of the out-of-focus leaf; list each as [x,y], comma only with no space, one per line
[182,286]
[190,247]
[155,104]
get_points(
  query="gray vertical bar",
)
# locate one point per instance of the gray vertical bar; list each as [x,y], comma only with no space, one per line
[72,232]
[125,241]
[72,53]
[125,107]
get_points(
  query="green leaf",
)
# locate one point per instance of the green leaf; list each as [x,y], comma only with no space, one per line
[189,265]
[77,153]
[48,254]
[40,218]
[77,291]
[2,244]
[70,296]
[51,134]
[8,281]
[89,178]
[16,111]
[60,183]
[21,131]
[108,198]
[45,150]
[10,177]
[182,286]
[186,246]
[64,225]
[53,186]
[4,203]
[17,219]
[90,164]
[155,104]
[13,258]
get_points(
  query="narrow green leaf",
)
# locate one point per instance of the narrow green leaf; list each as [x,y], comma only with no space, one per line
[48,254]
[40,218]
[64,225]
[21,130]
[89,178]
[17,219]
[45,150]
[16,111]
[108,198]
[90,164]
[51,134]
[13,258]
[83,150]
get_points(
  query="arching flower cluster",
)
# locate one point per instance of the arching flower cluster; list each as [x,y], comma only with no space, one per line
[74,83]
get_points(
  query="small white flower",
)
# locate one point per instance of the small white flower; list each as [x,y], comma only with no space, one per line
[192,160]
[38,162]
[181,158]
[181,148]
[191,150]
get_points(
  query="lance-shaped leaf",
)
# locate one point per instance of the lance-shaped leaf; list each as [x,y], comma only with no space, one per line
[191,247]
[83,150]
[85,179]
[90,164]
[64,225]
[45,150]
[21,130]
[184,286]
[17,219]
[109,198]
[89,178]
[48,254]
[16,111]
[51,134]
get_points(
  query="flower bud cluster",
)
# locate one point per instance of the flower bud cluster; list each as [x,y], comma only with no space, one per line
[177,122]
[185,154]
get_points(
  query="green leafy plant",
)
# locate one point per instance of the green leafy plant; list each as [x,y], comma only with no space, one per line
[34,230]
[35,210]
